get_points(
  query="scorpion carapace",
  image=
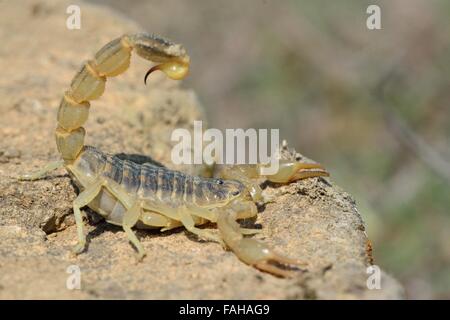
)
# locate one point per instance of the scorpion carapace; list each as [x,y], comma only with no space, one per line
[150,196]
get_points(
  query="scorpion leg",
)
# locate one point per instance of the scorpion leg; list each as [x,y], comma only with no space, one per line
[187,219]
[42,172]
[89,194]
[251,251]
[213,215]
[154,219]
[82,200]
[130,218]
[203,213]
[188,222]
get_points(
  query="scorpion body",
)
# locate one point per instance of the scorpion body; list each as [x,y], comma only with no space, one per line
[153,185]
[151,196]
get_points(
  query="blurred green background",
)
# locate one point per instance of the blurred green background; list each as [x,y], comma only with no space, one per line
[371,105]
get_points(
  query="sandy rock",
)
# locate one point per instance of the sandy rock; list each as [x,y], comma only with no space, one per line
[312,219]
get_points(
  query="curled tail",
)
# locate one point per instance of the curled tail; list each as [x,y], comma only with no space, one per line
[110,61]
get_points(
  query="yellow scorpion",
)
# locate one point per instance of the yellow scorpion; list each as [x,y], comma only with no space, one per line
[151,196]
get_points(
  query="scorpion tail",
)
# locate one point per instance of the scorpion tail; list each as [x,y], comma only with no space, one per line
[110,61]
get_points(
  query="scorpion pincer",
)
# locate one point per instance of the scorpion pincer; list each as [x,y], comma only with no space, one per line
[150,196]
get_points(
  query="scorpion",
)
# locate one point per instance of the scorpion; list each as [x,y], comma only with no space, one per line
[148,195]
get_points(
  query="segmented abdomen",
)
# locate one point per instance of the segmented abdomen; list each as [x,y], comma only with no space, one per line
[147,181]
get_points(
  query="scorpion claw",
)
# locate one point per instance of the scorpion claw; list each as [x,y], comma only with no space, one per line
[267,267]
[293,171]
[278,258]
[262,257]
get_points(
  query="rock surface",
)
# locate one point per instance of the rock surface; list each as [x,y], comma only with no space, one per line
[311,219]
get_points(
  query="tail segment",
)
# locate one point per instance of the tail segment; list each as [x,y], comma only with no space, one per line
[110,61]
